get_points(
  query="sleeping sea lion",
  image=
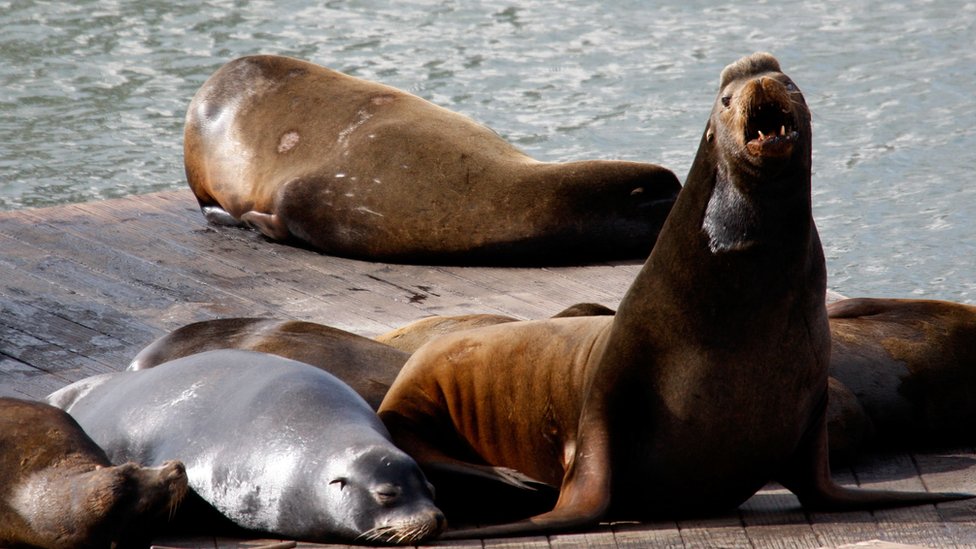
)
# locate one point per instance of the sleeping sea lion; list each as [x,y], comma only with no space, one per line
[273,444]
[365,365]
[60,491]
[360,169]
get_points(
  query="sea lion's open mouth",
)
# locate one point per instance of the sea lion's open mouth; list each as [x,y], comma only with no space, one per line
[770,131]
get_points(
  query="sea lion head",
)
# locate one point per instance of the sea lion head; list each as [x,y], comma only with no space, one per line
[106,505]
[380,495]
[755,157]
[142,497]
[760,120]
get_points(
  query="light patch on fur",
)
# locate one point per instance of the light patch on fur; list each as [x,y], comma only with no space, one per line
[187,394]
[288,141]
[251,498]
[730,219]
[364,209]
[32,500]
[361,117]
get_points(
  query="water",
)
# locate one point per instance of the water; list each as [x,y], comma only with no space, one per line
[92,97]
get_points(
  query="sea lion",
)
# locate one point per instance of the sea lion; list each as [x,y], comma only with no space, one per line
[912,365]
[363,364]
[60,490]
[412,336]
[275,445]
[709,382]
[360,169]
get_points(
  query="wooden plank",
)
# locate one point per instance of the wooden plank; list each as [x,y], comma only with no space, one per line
[920,524]
[527,542]
[721,530]
[953,472]
[774,519]
[21,380]
[660,535]
[601,537]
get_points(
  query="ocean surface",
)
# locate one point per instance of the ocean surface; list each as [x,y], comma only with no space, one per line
[93,94]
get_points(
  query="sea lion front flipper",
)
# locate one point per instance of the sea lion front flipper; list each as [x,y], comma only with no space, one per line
[504,475]
[216,215]
[583,497]
[808,476]
[270,225]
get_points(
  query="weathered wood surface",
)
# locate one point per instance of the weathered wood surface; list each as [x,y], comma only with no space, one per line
[83,287]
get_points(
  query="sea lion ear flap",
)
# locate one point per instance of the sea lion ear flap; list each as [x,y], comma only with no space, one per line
[754,64]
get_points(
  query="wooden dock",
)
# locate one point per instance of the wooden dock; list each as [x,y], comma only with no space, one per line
[83,287]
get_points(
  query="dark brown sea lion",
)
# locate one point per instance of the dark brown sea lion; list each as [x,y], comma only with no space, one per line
[365,365]
[710,381]
[912,365]
[359,169]
[59,490]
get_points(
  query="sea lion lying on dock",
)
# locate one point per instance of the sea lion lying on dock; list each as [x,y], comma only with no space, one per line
[273,444]
[355,168]
[60,491]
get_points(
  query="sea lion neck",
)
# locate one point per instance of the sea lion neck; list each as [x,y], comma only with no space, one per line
[741,232]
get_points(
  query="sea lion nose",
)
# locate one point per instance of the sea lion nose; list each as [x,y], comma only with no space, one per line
[440,521]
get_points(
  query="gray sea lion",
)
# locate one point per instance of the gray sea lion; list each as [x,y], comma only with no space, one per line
[360,169]
[363,364]
[60,491]
[711,379]
[274,444]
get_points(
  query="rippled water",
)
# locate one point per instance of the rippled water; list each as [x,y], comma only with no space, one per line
[92,96]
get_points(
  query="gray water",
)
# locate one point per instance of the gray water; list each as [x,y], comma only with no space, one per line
[92,97]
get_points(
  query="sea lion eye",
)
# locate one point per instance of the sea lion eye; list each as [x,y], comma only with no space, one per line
[726,100]
[340,481]
[790,86]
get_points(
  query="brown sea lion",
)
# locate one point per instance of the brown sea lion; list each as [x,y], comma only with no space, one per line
[59,490]
[360,169]
[710,381]
[365,365]
[912,365]
[412,336]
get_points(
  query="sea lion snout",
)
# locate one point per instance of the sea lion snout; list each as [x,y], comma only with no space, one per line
[770,126]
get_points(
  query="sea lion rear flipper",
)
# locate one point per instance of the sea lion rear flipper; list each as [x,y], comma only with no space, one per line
[270,225]
[808,476]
